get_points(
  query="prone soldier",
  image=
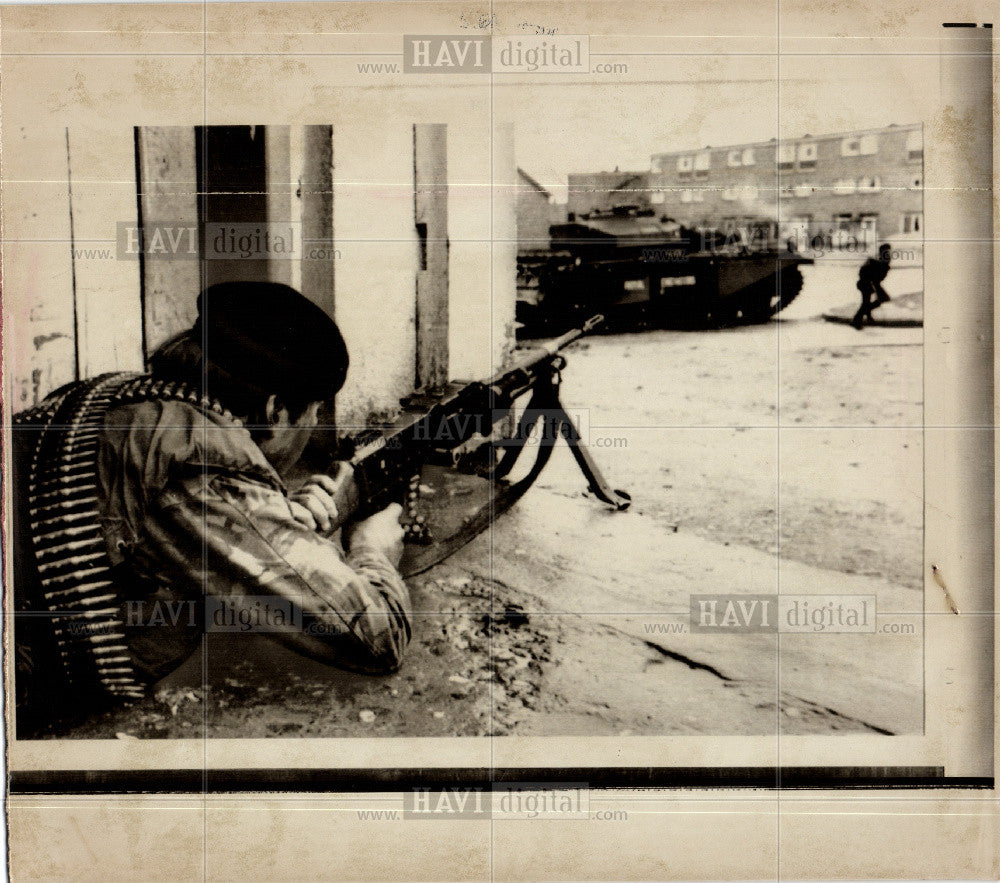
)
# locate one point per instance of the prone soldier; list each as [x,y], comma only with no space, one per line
[189,503]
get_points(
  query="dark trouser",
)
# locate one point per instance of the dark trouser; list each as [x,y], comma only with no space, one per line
[872,296]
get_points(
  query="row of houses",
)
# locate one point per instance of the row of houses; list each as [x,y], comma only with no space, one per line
[865,184]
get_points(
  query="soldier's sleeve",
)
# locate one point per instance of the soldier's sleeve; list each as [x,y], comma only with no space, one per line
[238,537]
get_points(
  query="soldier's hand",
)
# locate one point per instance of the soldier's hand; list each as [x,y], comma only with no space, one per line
[313,504]
[381,531]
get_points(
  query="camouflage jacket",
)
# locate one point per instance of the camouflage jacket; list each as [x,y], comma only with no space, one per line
[199,525]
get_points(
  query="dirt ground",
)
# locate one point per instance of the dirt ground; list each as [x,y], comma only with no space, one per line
[782,456]
[711,417]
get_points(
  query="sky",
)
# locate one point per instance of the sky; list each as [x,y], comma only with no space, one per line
[563,127]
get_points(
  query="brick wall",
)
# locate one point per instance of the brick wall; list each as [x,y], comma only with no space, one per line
[828,180]
[535,214]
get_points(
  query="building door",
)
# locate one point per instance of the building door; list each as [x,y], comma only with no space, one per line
[868,232]
[232,183]
[798,231]
[844,231]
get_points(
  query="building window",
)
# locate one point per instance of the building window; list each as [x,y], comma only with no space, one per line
[915,145]
[747,193]
[802,190]
[844,187]
[748,157]
[807,156]
[657,197]
[865,145]
[785,156]
[869,185]
[685,196]
[658,164]
[702,163]
[730,194]
[734,158]
[916,183]
[913,222]
[698,196]
[786,191]
[685,164]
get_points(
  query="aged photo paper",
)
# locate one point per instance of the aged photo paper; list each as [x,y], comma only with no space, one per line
[499,441]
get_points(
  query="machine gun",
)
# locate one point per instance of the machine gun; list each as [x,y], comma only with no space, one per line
[459,428]
[67,591]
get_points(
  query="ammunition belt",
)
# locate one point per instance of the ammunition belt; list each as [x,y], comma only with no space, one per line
[75,572]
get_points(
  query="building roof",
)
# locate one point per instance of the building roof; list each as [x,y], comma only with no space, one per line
[626,177]
[775,141]
[532,182]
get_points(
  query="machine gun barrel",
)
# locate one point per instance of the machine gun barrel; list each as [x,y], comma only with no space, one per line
[381,467]
[547,351]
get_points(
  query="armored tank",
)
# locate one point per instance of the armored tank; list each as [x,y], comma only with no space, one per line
[642,270]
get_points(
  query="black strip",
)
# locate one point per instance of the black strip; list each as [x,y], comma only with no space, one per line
[194,781]
[140,198]
[958,24]
[72,266]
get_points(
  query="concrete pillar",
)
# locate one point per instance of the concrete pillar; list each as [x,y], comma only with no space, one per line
[430,200]
[38,303]
[377,262]
[166,166]
[282,200]
[313,151]
[503,294]
[107,286]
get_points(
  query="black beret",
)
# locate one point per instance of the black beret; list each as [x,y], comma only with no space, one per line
[273,339]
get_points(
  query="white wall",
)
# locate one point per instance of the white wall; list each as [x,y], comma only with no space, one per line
[482,220]
[70,306]
[39,349]
[376,260]
[375,236]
